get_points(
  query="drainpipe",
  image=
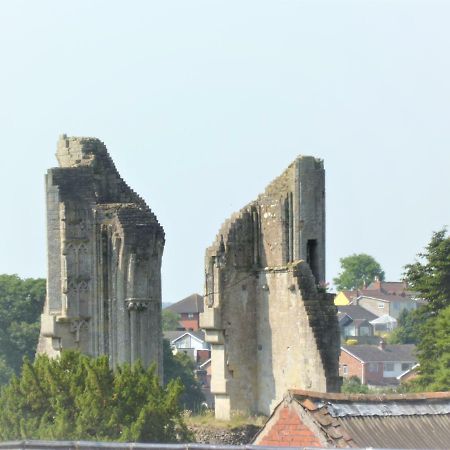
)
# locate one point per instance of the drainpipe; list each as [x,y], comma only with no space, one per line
[362,373]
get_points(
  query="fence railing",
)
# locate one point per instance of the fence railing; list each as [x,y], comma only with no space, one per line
[89,445]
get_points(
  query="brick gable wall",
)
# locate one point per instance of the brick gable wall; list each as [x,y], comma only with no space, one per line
[355,367]
[189,323]
[288,430]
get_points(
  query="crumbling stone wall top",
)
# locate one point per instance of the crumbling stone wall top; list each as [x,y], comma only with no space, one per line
[105,248]
[269,325]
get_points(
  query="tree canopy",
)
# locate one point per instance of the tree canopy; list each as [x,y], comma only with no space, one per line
[170,320]
[408,323]
[353,385]
[181,366]
[357,271]
[430,277]
[434,352]
[21,303]
[81,398]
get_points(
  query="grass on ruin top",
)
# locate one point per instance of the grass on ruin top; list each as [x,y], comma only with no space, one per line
[237,420]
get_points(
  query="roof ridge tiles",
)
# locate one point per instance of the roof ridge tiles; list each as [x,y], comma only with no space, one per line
[301,395]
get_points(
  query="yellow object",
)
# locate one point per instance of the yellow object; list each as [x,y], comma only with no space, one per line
[341,299]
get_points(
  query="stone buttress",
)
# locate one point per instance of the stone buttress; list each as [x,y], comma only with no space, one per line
[104,261]
[270,324]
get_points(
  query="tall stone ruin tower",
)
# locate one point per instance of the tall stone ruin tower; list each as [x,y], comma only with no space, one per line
[104,261]
[271,329]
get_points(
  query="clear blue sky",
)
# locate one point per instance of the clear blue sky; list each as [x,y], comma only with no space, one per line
[202,103]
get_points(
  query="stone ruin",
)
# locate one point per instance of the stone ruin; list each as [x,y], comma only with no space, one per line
[104,261]
[269,322]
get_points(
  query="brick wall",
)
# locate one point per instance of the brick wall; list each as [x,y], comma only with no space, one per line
[374,376]
[203,356]
[288,430]
[355,367]
[189,323]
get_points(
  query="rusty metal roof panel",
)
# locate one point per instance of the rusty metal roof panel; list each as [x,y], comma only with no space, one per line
[406,432]
[355,409]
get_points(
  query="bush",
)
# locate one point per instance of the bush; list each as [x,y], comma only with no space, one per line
[21,302]
[353,385]
[81,398]
[181,367]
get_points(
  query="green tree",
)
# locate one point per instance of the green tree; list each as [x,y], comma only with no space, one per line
[181,367]
[430,278]
[357,271]
[430,275]
[433,351]
[21,303]
[77,397]
[5,372]
[408,324]
[170,320]
[353,385]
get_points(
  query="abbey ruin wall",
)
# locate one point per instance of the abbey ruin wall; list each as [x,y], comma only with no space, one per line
[104,260]
[270,327]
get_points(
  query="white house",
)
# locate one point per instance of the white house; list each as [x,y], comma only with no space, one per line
[189,342]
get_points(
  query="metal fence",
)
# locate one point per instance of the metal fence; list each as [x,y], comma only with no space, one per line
[87,445]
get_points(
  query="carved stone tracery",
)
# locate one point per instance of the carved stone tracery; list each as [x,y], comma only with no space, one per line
[104,260]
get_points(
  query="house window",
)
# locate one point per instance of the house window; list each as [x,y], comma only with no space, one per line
[372,367]
[345,370]
[389,367]
[405,366]
[190,315]
[381,305]
[349,331]
[364,331]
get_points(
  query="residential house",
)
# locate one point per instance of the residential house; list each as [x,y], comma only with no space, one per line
[391,287]
[376,365]
[189,309]
[344,298]
[380,298]
[381,304]
[192,343]
[354,322]
[203,374]
[409,374]
[384,324]
[328,420]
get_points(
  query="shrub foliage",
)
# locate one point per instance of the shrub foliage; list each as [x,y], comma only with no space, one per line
[81,398]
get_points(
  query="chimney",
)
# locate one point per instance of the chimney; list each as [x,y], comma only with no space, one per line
[377,283]
[382,345]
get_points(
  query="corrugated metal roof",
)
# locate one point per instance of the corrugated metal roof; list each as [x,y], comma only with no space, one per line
[406,432]
[387,409]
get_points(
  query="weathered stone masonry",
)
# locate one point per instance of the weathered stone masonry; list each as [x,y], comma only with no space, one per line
[270,327]
[104,260]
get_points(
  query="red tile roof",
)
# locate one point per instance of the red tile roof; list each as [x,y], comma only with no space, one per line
[191,304]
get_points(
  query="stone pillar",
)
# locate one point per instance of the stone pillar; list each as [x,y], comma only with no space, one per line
[102,242]
[269,326]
